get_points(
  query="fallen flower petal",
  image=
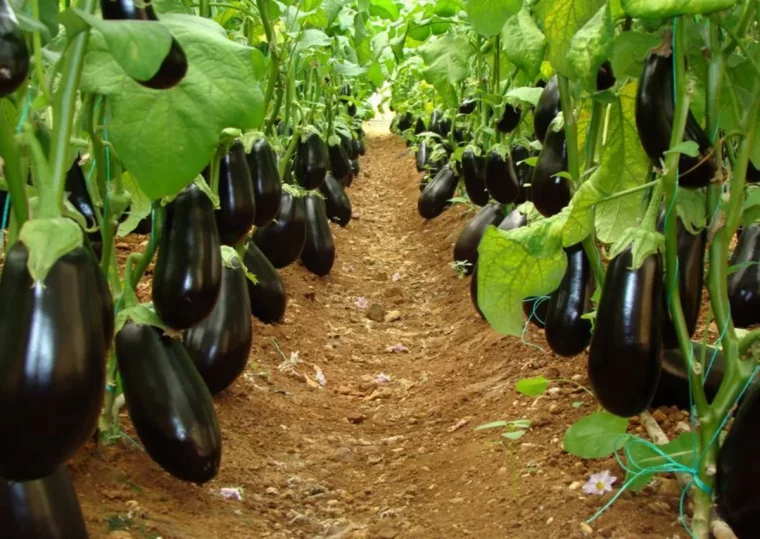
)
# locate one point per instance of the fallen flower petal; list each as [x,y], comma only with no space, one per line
[398,348]
[599,483]
[361,302]
[231,493]
[383,378]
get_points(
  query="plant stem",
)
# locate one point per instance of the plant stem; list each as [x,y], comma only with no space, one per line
[241,9]
[38,68]
[273,53]
[571,127]
[107,419]
[496,65]
[597,114]
[64,109]
[9,149]
[213,172]
[204,9]
[285,163]
[157,231]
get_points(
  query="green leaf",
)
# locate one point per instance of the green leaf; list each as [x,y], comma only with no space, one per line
[580,217]
[686,147]
[643,456]
[313,38]
[528,261]
[48,240]
[139,47]
[140,314]
[751,207]
[385,9]
[487,17]
[375,74]
[624,165]
[448,61]
[492,425]
[513,435]
[524,43]
[360,32]
[166,137]
[331,9]
[27,23]
[349,69]
[48,18]
[532,387]
[628,52]
[644,243]
[526,94]
[596,436]
[590,47]
[140,207]
[658,9]
[447,8]
[690,204]
[560,20]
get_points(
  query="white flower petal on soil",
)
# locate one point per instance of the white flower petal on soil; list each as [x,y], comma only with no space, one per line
[231,493]
[599,483]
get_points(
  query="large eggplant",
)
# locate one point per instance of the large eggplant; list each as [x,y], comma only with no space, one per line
[524,173]
[318,253]
[340,164]
[267,188]
[466,247]
[312,161]
[219,346]
[268,298]
[567,333]
[188,272]
[237,202]
[624,359]
[474,174]
[547,108]
[45,508]
[501,179]
[437,194]
[744,284]
[551,193]
[169,404]
[655,112]
[337,203]
[282,240]
[605,78]
[52,368]
[509,120]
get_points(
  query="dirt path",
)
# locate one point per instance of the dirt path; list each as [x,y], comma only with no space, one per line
[386,447]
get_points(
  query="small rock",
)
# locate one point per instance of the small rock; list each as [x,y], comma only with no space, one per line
[586,529]
[659,416]
[272,491]
[386,532]
[555,409]
[456,500]
[392,316]
[549,520]
[343,454]
[356,419]
[376,312]
[575,485]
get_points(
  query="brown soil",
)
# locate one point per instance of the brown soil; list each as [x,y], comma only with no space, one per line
[359,458]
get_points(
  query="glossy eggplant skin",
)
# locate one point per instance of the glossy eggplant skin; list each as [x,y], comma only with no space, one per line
[753,174]
[551,193]
[547,108]
[654,120]
[312,162]
[52,369]
[355,167]
[605,79]
[283,239]
[268,298]
[566,332]
[237,201]
[318,253]
[524,173]
[435,118]
[14,56]
[625,355]
[466,247]
[419,126]
[337,203]
[467,106]
[501,180]
[174,67]
[45,508]
[76,187]
[474,175]
[443,128]
[404,121]
[744,284]
[673,387]
[435,198]
[169,404]
[340,165]
[347,142]
[219,346]
[737,490]
[422,156]
[267,189]
[691,267]
[509,120]
[188,272]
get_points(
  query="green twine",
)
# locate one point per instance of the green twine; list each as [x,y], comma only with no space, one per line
[537,301]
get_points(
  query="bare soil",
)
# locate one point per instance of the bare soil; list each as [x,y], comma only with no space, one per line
[386,448]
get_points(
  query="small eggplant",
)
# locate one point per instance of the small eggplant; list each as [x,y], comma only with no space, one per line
[501,179]
[268,298]
[509,120]
[548,107]
[237,201]
[312,161]
[474,174]
[437,194]
[267,188]
[337,203]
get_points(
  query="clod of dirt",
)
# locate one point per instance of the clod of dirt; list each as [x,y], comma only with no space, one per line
[356,419]
[376,312]
[392,316]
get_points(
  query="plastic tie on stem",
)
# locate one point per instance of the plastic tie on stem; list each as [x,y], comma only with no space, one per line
[537,300]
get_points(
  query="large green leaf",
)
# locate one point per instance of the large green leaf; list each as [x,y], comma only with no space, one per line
[331,8]
[313,38]
[448,61]
[590,47]
[487,17]
[628,52]
[524,43]
[166,137]
[385,9]
[527,261]
[658,9]
[560,20]
[596,436]
[643,456]
[447,8]
[375,74]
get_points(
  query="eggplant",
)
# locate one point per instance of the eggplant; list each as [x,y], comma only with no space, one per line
[419,126]
[45,508]
[523,172]
[474,291]
[361,147]
[267,189]
[347,180]
[174,67]
[547,108]
[355,167]
[466,247]
[509,120]
[501,180]
[467,106]
[422,156]
[318,253]
[673,386]
[753,174]
[351,109]
[567,333]
[219,346]
[443,127]
[283,239]
[188,272]
[435,118]
[14,56]
[625,355]
[237,202]
[356,147]
[404,121]
[312,161]
[691,268]
[79,197]
[605,79]
[744,284]
[551,193]
[145,226]
[655,111]
[169,403]
[340,165]
[268,298]
[737,489]
[474,174]
[337,203]
[52,369]
[437,194]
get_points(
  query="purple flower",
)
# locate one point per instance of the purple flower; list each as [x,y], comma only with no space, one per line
[396,276]
[361,302]
[383,378]
[231,493]
[320,376]
[599,483]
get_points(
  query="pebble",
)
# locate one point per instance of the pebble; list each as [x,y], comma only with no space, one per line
[549,520]
[575,485]
[392,316]
[343,454]
[659,416]
[386,532]
[456,500]
[586,529]
[376,312]
[356,419]
[272,491]
[555,409]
